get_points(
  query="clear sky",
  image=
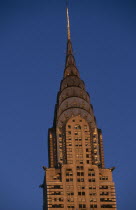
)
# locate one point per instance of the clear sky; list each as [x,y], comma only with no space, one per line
[32,56]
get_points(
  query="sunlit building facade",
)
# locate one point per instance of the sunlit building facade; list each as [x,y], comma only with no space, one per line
[76,177]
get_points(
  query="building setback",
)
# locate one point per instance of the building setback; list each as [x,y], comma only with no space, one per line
[76,177]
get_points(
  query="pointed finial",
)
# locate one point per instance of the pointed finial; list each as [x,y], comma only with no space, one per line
[68,21]
[70,64]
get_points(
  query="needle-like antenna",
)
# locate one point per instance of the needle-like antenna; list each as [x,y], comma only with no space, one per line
[68,21]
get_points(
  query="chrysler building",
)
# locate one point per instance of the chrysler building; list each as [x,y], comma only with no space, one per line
[76,177]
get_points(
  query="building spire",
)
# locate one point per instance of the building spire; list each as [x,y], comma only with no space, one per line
[70,64]
[68,21]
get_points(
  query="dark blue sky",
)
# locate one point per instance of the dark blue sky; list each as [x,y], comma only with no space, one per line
[32,56]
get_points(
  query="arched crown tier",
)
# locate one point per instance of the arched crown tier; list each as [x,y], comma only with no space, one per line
[72,81]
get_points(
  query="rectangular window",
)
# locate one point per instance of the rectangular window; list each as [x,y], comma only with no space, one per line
[81,193]
[55,193]
[91,180]
[69,180]
[90,169]
[70,193]
[57,206]
[70,199]
[92,194]
[68,169]
[80,168]
[107,206]
[57,186]
[104,193]
[104,187]
[69,174]
[80,173]
[103,178]
[87,156]
[80,180]
[93,206]
[92,187]
[105,199]
[82,206]
[93,200]
[91,174]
